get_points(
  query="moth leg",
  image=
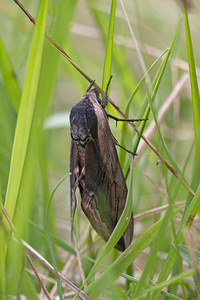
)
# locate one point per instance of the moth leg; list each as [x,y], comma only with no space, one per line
[105,96]
[133,153]
[124,120]
[117,144]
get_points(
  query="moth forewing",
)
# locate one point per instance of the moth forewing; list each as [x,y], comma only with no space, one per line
[95,168]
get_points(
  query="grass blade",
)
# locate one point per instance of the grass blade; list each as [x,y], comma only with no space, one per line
[173,253]
[21,182]
[10,80]
[109,47]
[194,88]
[53,257]
[124,260]
[26,113]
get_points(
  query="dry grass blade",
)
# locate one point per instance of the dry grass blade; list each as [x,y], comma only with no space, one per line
[154,211]
[92,33]
[35,254]
[71,285]
[52,41]
[38,277]
[64,271]
[8,218]
[149,133]
[159,187]
[146,140]
[80,263]
[42,276]
[71,261]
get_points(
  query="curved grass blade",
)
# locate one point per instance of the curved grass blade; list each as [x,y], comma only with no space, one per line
[21,182]
[139,53]
[173,253]
[164,293]
[194,89]
[53,257]
[124,260]
[192,257]
[142,80]
[142,127]
[173,280]
[149,266]
[26,113]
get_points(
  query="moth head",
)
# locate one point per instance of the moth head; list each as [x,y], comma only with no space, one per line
[96,95]
[92,95]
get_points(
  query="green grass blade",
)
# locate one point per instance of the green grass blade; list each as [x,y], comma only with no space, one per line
[63,14]
[10,80]
[142,80]
[127,78]
[124,260]
[2,253]
[28,287]
[125,130]
[7,130]
[194,88]
[21,182]
[185,253]
[164,293]
[53,256]
[161,285]
[141,60]
[109,47]
[26,113]
[153,253]
[173,253]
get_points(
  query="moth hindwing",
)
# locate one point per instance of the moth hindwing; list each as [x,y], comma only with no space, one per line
[95,168]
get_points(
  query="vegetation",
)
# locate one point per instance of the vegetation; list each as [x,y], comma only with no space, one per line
[151,49]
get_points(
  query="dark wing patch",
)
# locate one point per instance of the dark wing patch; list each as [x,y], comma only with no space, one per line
[105,193]
[96,197]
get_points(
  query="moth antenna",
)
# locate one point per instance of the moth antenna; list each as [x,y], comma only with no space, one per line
[105,96]
[90,86]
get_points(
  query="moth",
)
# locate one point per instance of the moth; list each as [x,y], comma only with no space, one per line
[95,167]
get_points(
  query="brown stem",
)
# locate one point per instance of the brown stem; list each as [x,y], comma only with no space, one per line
[38,277]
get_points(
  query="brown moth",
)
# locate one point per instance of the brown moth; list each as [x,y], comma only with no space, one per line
[95,167]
